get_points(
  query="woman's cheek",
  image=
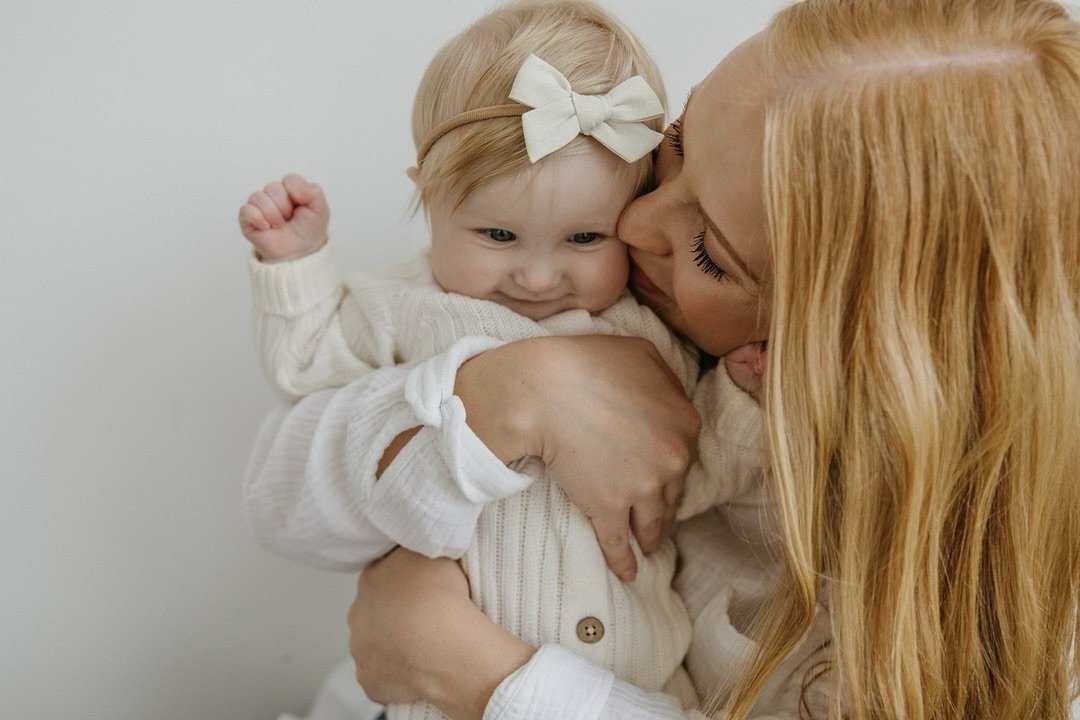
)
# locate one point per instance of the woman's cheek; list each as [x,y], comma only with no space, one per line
[713,319]
[698,312]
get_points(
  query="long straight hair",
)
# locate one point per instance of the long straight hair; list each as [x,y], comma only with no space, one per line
[922,163]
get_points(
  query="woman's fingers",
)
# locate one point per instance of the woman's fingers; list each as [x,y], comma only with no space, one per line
[613,534]
[400,603]
[650,520]
[606,415]
[415,634]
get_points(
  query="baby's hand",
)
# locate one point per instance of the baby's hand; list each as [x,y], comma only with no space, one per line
[286,219]
[746,366]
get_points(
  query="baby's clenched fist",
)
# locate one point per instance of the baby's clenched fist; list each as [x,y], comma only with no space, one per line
[287,219]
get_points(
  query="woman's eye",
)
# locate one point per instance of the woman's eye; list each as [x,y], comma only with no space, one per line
[702,259]
[500,236]
[674,136]
[583,238]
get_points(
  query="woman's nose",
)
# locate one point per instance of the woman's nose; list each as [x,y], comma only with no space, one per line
[538,276]
[645,225]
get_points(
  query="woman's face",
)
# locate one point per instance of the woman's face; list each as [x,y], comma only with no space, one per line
[698,243]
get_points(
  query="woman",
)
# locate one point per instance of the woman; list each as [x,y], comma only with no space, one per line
[886,191]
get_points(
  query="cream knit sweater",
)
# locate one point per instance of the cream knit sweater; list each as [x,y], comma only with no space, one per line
[531,557]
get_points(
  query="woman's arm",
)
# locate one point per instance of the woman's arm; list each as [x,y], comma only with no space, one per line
[415,635]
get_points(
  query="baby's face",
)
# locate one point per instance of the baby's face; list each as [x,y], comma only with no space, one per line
[541,241]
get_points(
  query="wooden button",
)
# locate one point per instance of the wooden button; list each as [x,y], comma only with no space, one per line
[590,630]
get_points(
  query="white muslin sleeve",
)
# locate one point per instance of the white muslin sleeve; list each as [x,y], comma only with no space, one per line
[557,683]
[310,490]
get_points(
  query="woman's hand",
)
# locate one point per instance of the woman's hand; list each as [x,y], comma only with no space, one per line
[415,635]
[608,418]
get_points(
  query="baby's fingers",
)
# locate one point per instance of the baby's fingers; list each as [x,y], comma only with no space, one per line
[268,208]
[306,194]
[252,219]
[280,197]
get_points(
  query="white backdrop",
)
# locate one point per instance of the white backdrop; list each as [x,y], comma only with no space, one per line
[130,133]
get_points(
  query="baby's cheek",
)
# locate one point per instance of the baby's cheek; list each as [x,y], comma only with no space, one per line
[462,271]
[610,278]
[452,275]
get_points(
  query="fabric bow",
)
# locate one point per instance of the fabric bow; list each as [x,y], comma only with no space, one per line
[559,114]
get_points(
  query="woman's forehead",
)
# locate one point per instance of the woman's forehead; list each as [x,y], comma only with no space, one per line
[740,78]
[723,138]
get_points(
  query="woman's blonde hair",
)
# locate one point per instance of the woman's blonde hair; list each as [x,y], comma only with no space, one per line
[922,163]
[476,69]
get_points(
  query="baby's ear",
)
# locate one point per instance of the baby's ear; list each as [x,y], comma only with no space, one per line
[413,172]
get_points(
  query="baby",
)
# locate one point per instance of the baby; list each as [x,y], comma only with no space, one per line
[534,128]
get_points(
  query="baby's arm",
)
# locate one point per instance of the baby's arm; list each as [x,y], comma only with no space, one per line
[312,492]
[314,329]
[730,458]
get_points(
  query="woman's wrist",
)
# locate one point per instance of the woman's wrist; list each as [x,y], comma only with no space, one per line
[498,389]
[483,655]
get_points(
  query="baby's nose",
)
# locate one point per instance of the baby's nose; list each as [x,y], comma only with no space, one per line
[538,277]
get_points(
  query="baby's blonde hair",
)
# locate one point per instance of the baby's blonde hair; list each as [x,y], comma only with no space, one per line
[476,69]
[922,164]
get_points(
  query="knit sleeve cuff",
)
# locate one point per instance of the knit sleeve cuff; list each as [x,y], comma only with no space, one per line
[728,411]
[558,683]
[292,287]
[555,683]
[731,456]
[429,390]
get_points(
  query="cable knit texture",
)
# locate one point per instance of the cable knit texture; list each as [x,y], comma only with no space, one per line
[531,557]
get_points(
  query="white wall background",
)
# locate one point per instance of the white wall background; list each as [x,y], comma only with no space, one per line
[130,133]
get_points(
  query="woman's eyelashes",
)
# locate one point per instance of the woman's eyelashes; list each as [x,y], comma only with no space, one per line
[702,259]
[674,136]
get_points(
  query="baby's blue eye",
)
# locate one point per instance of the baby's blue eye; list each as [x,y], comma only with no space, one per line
[583,238]
[501,236]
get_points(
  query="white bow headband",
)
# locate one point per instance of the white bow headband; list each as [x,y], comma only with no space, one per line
[552,114]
